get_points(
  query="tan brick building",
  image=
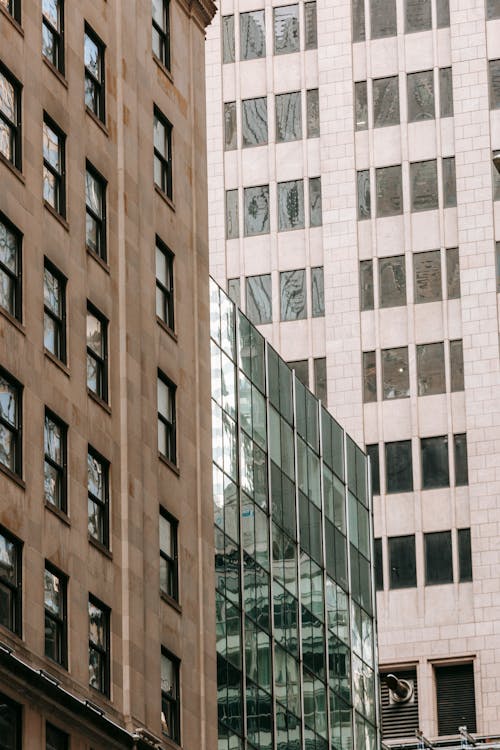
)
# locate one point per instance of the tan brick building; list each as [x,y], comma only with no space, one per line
[106,625]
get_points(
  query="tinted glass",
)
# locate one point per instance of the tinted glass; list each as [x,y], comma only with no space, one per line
[392,281]
[358,21]
[379,570]
[461,464]
[427,276]
[369,377]
[372,451]
[286,29]
[315,211]
[254,121]
[318,292]
[364,201]
[420,95]
[320,383]
[383,18]
[259,299]
[449,182]
[442,13]
[232,222]
[492,9]
[423,185]
[360,105]
[256,210]
[230,134]
[398,464]
[438,558]
[366,284]
[290,205]
[494,68]
[227,39]
[395,375]
[311,30]
[233,291]
[385,102]
[402,563]
[288,117]
[457,365]
[417,15]
[252,35]
[312,104]
[430,369]
[293,295]
[435,471]
[389,191]
[453,273]
[464,556]
[301,368]
[445,93]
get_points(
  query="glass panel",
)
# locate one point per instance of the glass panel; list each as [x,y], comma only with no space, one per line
[7,98]
[53,594]
[494,68]
[389,191]
[369,377]
[50,11]
[420,95]
[95,477]
[232,223]
[228,39]
[427,276]
[423,185]
[259,299]
[445,92]
[95,340]
[290,205]
[372,452]
[318,292]
[464,553]
[435,471]
[288,117]
[385,102]
[366,284]
[417,15]
[457,365]
[430,369]
[360,105]
[358,21]
[254,121]
[383,18]
[166,536]
[492,9]
[449,183]
[97,626]
[398,464]
[453,272]
[312,104]
[230,133]
[252,35]
[293,295]
[402,563]
[395,374]
[438,559]
[442,13]
[8,402]
[51,152]
[315,212]
[311,30]
[392,281]
[461,465]
[286,29]
[364,200]
[257,210]
[52,292]
[233,290]
[320,383]
[8,248]
[91,56]
[93,194]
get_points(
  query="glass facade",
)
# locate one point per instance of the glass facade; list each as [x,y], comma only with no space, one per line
[293,556]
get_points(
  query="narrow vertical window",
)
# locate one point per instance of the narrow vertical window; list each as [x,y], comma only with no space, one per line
[55,739]
[318,292]
[161,31]
[369,377]
[259,306]
[228,39]
[164,284]
[13,7]
[449,182]
[494,70]
[55,587]
[312,107]
[360,105]
[366,284]
[358,21]
[402,562]
[290,205]
[93,53]
[54,311]
[379,568]
[445,92]
[99,648]
[286,29]
[54,167]
[10,268]
[230,129]
[311,27]
[315,211]
[464,556]
[457,365]
[97,353]
[10,117]
[10,582]
[293,295]
[461,463]
[364,196]
[442,13]
[288,117]
[55,462]
[320,382]
[166,418]
[170,699]
[398,466]
[234,291]
[162,136]
[232,215]
[373,453]
[52,33]
[10,422]
[169,582]
[453,272]
[95,212]
[98,497]
[11,723]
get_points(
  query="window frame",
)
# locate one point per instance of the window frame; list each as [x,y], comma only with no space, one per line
[409,540]
[99,84]
[59,176]
[61,737]
[103,504]
[433,576]
[17,429]
[14,10]
[101,361]
[57,36]
[103,652]
[172,563]
[175,735]
[15,278]
[464,549]
[170,427]
[100,221]
[15,127]
[165,161]
[167,294]
[59,321]
[424,441]
[17,709]
[16,590]
[61,622]
[61,469]
[163,35]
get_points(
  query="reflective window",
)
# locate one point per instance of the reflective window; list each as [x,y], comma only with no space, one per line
[442,13]
[286,29]
[358,21]
[257,210]
[228,39]
[385,101]
[438,558]
[52,32]
[461,465]
[259,299]
[492,9]
[445,92]
[232,221]
[457,365]
[379,568]
[55,585]
[449,183]
[55,739]
[496,183]
[312,106]
[10,422]
[464,555]
[310,20]
[99,662]
[453,273]
[420,95]
[254,121]
[170,698]
[392,281]
[317,292]
[234,291]
[293,295]
[54,178]
[427,276]
[161,31]
[95,211]
[162,138]
[288,117]
[290,205]
[395,376]
[383,18]
[98,497]
[417,15]
[315,211]
[93,53]
[423,185]
[369,377]
[430,369]
[366,284]
[10,582]
[398,466]
[360,105]
[364,199]
[167,438]
[434,456]
[301,368]
[320,383]
[494,71]
[13,7]
[10,117]
[55,469]
[252,35]
[97,353]
[10,268]
[168,555]
[164,284]
[389,191]
[372,452]
[54,311]
[230,132]
[402,562]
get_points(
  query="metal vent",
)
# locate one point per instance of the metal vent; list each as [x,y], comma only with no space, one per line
[399,719]
[456,705]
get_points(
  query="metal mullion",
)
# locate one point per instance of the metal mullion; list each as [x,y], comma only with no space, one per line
[6,119]
[12,274]
[54,463]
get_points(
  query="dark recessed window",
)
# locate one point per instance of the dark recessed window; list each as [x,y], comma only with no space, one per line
[369,377]
[93,51]
[166,418]
[169,583]
[99,646]
[55,739]
[456,705]
[320,382]
[55,587]
[372,452]
[360,105]
[161,31]
[10,723]
[170,699]
[10,583]
[10,268]
[449,182]
[162,136]
[385,101]
[55,468]
[318,292]
[164,284]
[54,311]
[464,556]
[301,369]
[430,369]
[10,117]
[438,558]
[10,422]
[379,569]
[312,113]
[95,219]
[98,497]
[427,276]
[364,195]
[398,466]
[461,466]
[311,26]
[435,470]
[97,353]
[54,166]
[230,127]
[402,563]
[423,185]
[389,191]
[13,7]
[52,32]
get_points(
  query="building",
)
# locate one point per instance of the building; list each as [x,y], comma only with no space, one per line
[106,543]
[296,656]
[354,216]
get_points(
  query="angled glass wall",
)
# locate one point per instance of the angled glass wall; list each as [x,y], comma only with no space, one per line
[293,556]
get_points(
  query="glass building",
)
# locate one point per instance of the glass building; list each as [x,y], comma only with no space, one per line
[296,654]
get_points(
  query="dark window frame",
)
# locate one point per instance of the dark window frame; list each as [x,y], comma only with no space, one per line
[101,361]
[15,127]
[59,176]
[378,564]
[16,590]
[15,278]
[169,427]
[104,653]
[100,221]
[173,703]
[434,577]
[464,550]
[165,161]
[17,429]
[98,83]
[103,504]
[14,10]
[163,36]
[60,322]
[409,540]
[167,294]
[58,738]
[61,622]
[427,483]
[391,489]
[171,563]
[61,469]
[57,36]
[17,710]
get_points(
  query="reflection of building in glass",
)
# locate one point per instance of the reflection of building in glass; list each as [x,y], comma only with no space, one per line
[294,600]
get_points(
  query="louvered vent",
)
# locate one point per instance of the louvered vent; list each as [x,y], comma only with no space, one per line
[399,719]
[455,698]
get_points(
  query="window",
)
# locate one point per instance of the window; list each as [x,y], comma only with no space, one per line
[286,29]
[442,13]
[398,466]
[55,462]
[95,220]
[10,422]
[423,185]
[430,369]
[97,353]
[385,102]
[320,383]
[311,26]
[497,264]
[360,105]
[230,131]
[293,295]
[438,558]
[162,136]
[93,53]
[252,35]
[166,418]
[383,18]
[99,661]
[449,182]
[288,117]
[257,210]
[228,39]
[417,15]
[98,497]
[379,568]
[233,291]
[315,212]
[492,9]
[457,365]
[10,117]
[54,311]
[372,453]
[392,281]
[301,368]
[434,455]
[10,583]
[161,31]
[389,191]
[461,465]
[445,92]
[232,220]
[55,739]
[259,299]
[169,583]
[420,95]
[364,197]
[54,166]
[358,21]
[427,276]
[52,33]
[453,272]
[290,205]
[464,555]
[366,284]
[494,70]
[318,292]
[496,182]
[10,723]
[54,599]
[399,720]
[254,121]
[170,699]
[312,107]
[13,7]
[456,706]
[402,562]
[10,268]
[369,377]
[164,284]
[395,374]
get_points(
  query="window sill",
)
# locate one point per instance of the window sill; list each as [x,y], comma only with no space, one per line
[55,71]
[12,20]
[171,602]
[164,69]
[58,512]
[57,362]
[104,265]
[99,401]
[15,171]
[14,321]
[165,197]
[167,329]
[15,477]
[99,546]
[169,463]
[56,215]
[97,121]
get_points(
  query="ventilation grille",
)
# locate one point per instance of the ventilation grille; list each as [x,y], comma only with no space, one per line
[399,719]
[455,698]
